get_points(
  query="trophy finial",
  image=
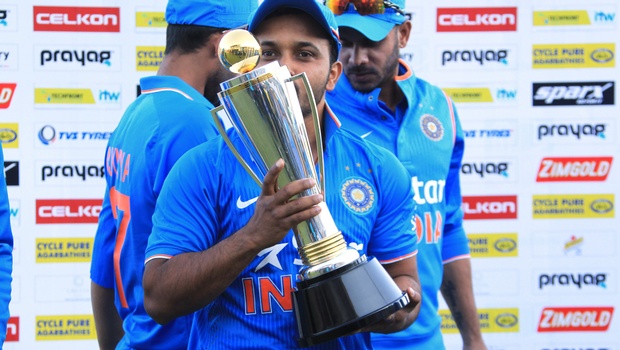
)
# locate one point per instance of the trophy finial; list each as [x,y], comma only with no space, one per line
[239,51]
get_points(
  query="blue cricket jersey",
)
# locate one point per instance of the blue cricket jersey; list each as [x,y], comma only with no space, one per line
[168,118]
[426,136]
[206,198]
[6,254]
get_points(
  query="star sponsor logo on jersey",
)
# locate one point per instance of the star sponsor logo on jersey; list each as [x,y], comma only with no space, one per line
[62,288]
[502,282]
[489,207]
[573,206]
[570,169]
[428,225]
[7,90]
[99,96]
[65,327]
[358,195]
[74,57]
[477,19]
[15,211]
[66,135]
[573,94]
[589,243]
[11,173]
[149,58]
[594,55]
[8,18]
[8,57]
[494,94]
[477,57]
[9,135]
[431,127]
[601,131]
[601,280]
[148,20]
[500,320]
[70,173]
[586,17]
[489,170]
[76,19]
[575,319]
[68,211]
[63,250]
[493,245]
[12,329]
[493,132]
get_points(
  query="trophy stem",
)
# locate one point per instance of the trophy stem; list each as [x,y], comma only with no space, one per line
[323,250]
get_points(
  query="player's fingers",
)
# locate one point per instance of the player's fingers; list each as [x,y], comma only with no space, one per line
[270,181]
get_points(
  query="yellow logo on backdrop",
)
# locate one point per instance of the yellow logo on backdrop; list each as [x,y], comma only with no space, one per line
[65,327]
[63,250]
[151,19]
[491,321]
[9,135]
[561,18]
[493,245]
[476,95]
[63,96]
[574,56]
[573,206]
[148,58]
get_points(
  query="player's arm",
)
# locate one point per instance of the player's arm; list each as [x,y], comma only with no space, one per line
[108,323]
[6,254]
[190,281]
[456,286]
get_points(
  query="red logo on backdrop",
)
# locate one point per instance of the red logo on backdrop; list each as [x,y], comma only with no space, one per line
[12,329]
[6,94]
[575,319]
[477,19]
[68,211]
[489,207]
[557,169]
[77,19]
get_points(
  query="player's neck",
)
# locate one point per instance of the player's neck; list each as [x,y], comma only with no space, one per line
[391,94]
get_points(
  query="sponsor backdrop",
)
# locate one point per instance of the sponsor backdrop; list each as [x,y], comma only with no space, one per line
[535,86]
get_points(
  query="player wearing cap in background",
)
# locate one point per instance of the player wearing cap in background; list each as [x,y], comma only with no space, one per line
[6,254]
[234,264]
[382,100]
[170,117]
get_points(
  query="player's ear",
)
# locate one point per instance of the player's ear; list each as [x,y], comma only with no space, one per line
[404,30]
[334,73]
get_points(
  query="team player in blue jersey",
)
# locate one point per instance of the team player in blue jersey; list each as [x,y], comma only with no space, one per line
[380,99]
[222,247]
[170,117]
[6,254]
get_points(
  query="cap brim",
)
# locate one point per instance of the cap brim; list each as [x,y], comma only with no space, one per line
[372,28]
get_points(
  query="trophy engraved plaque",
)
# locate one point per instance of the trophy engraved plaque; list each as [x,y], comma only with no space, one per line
[338,292]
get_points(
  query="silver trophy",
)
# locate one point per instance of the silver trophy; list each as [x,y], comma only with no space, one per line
[338,291]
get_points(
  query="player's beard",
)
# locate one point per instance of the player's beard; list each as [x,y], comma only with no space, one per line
[384,76]
[212,86]
[318,91]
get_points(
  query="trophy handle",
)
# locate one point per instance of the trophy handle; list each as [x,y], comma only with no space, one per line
[222,131]
[317,125]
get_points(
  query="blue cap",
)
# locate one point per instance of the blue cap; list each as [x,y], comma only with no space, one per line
[316,10]
[374,27]
[210,13]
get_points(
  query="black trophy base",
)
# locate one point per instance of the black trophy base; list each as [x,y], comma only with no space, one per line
[342,301]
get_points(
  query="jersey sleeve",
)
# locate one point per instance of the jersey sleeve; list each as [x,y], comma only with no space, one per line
[185,218]
[6,254]
[393,236]
[455,244]
[102,261]
[174,139]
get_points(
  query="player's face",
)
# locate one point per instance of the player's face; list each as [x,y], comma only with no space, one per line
[295,40]
[369,64]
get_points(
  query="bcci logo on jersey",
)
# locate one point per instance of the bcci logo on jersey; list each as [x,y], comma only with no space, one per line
[358,195]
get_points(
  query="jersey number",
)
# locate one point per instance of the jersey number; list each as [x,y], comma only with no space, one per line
[120,201]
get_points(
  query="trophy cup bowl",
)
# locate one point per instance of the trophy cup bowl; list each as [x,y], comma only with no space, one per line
[338,292]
